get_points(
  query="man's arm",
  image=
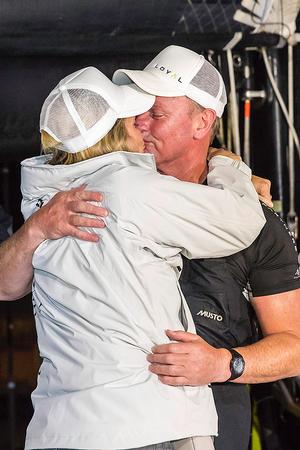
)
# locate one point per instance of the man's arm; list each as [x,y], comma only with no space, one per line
[60,217]
[277,355]
[275,280]
[193,361]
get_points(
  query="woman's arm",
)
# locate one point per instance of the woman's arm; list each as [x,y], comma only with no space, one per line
[202,221]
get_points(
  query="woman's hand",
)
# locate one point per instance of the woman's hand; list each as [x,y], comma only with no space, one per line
[263,188]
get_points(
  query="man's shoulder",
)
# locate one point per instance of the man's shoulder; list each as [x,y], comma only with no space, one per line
[271,261]
[273,219]
[273,258]
[275,236]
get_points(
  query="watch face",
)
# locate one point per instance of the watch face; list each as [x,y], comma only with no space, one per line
[238,365]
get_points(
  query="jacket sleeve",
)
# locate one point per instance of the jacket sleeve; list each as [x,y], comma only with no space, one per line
[202,221]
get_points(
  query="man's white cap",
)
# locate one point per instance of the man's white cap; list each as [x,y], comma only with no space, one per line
[178,71]
[85,105]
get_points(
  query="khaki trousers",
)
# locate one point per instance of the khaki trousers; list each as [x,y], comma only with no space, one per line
[194,443]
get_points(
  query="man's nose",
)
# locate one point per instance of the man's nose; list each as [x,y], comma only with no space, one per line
[142,121]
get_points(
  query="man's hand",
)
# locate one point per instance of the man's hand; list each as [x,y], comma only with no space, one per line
[263,188]
[62,216]
[189,361]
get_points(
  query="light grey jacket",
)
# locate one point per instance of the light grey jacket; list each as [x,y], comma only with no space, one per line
[100,307]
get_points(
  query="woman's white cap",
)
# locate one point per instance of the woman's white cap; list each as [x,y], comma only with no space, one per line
[84,107]
[177,71]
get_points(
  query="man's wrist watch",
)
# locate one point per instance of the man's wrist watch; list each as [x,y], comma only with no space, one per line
[237,364]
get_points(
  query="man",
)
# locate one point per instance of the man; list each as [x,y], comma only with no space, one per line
[166,134]
[215,289]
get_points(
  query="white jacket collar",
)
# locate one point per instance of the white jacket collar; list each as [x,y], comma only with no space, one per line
[38,176]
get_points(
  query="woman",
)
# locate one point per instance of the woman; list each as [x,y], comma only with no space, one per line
[99,309]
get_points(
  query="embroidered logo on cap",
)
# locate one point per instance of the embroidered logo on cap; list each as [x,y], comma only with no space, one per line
[168,72]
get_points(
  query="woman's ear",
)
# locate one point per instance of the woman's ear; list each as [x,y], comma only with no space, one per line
[204,121]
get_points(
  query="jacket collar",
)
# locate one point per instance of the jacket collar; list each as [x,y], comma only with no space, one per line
[37,175]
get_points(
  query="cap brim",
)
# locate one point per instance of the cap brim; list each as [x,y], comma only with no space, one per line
[135,101]
[149,82]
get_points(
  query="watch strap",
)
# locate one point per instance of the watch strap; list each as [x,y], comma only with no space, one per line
[237,364]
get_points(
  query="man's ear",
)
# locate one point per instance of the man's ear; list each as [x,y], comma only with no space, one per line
[203,122]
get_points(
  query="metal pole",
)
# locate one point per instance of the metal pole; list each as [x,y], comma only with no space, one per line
[277,120]
[247,111]
[233,105]
[292,218]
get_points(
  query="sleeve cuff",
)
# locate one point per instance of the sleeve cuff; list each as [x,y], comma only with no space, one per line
[217,161]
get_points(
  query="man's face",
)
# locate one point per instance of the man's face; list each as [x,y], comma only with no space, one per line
[168,130]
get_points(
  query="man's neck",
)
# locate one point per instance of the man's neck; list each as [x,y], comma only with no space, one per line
[193,172]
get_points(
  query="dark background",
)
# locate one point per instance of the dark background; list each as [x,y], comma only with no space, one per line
[40,43]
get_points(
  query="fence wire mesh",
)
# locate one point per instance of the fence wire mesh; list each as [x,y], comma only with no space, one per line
[209,16]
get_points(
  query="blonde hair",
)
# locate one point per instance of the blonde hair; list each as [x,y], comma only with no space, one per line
[115,140]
